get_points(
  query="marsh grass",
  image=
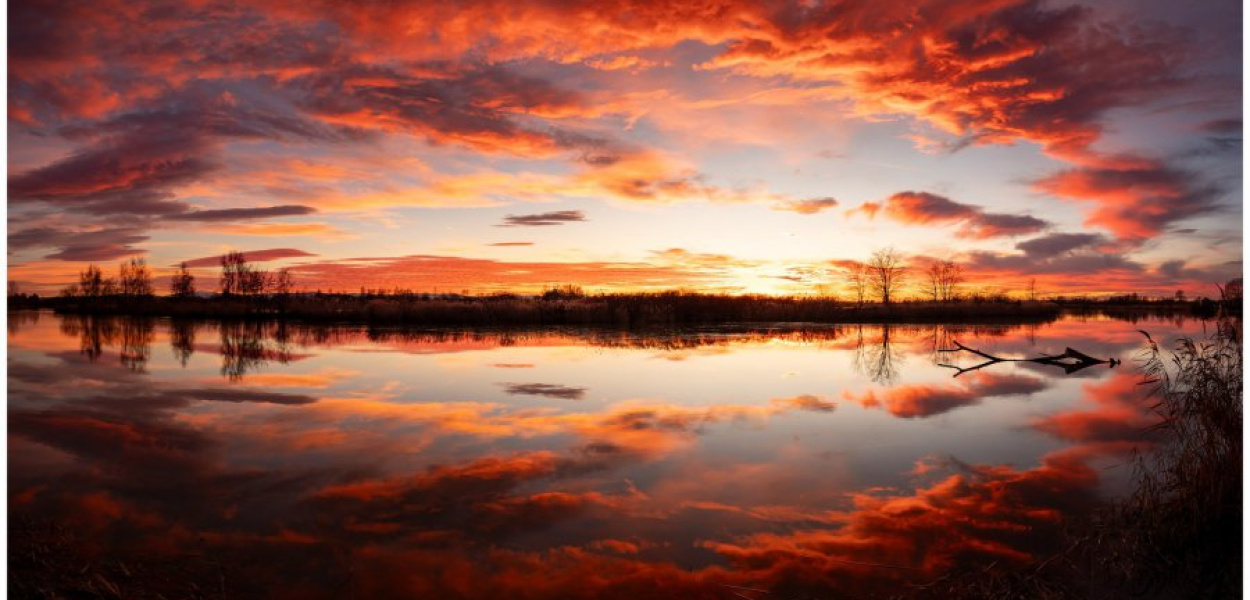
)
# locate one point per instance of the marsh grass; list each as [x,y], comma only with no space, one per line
[1188,503]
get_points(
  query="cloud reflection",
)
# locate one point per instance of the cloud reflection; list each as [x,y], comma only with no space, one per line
[304,484]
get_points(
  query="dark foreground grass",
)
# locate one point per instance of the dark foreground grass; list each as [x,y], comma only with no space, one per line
[614,310]
[1189,498]
[1179,533]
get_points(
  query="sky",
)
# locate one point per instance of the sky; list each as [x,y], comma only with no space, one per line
[722,145]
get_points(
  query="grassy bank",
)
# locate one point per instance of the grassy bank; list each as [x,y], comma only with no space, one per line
[619,310]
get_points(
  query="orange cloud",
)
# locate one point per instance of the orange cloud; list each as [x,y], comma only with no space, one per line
[321,230]
[912,401]
[633,64]
[925,208]
[978,516]
[810,206]
[1120,413]
[869,209]
[1136,202]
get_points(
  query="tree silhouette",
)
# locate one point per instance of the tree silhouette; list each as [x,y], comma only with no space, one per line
[237,276]
[93,284]
[858,280]
[135,278]
[183,283]
[886,272]
[941,278]
[1231,291]
[254,282]
[280,284]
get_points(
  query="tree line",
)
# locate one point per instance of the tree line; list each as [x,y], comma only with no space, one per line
[134,280]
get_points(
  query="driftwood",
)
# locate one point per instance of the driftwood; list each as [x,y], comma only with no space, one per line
[1070,361]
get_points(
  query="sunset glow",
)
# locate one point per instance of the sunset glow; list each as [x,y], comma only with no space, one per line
[723,146]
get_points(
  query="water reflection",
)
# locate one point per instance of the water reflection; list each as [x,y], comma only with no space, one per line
[136,342]
[182,340]
[875,357]
[311,462]
[19,320]
[93,333]
[246,345]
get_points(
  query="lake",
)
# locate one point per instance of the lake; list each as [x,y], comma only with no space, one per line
[149,456]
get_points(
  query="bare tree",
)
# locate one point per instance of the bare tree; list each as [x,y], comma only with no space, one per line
[886,272]
[941,279]
[280,284]
[182,285]
[135,278]
[857,280]
[933,281]
[255,282]
[236,274]
[952,276]
[93,284]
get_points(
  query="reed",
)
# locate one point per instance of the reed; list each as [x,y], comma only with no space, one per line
[1184,517]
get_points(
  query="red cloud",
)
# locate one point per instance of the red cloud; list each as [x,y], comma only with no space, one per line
[990,71]
[1135,202]
[925,208]
[116,78]
[870,210]
[981,515]
[1120,413]
[911,401]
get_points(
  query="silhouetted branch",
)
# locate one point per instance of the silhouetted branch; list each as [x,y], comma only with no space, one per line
[1070,360]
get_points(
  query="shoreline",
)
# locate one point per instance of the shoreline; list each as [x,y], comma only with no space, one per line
[612,312]
[607,311]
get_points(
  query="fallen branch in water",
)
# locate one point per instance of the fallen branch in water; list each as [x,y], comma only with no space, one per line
[1070,360]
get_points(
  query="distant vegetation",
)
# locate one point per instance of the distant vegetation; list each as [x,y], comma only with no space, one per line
[245,291]
[555,308]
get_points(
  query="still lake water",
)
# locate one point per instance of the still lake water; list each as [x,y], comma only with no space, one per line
[267,461]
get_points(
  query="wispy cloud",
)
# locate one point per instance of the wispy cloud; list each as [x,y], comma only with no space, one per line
[810,206]
[238,214]
[559,217]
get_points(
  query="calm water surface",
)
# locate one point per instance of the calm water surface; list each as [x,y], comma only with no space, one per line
[258,460]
